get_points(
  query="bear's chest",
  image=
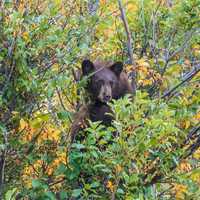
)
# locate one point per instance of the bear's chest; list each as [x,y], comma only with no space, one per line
[100,112]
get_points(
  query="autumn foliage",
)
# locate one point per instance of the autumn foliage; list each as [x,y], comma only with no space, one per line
[156,151]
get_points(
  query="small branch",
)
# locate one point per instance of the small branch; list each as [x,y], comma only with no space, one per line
[60,99]
[166,190]
[2,163]
[129,43]
[57,182]
[34,139]
[2,170]
[169,55]
[187,78]
[190,150]
[52,111]
[192,134]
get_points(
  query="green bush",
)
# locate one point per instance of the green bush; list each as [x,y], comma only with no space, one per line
[151,151]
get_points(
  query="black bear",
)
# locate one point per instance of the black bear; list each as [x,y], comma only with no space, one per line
[106,81]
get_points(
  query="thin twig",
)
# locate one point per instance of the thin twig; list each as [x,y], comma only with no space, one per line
[2,163]
[190,150]
[60,99]
[129,43]
[187,78]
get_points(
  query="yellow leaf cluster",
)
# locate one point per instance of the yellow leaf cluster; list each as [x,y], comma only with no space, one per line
[31,171]
[58,2]
[29,131]
[103,2]
[147,76]
[184,166]
[145,82]
[143,63]
[62,158]
[196,49]
[22,125]
[180,191]
[34,26]
[25,36]
[196,177]
[197,116]
[21,7]
[196,155]
[132,7]
[49,133]
[118,168]
[110,186]
[185,124]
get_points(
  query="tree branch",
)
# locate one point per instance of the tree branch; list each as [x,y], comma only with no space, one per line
[190,150]
[187,78]
[129,43]
[3,162]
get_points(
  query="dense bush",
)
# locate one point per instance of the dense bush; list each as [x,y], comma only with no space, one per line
[155,154]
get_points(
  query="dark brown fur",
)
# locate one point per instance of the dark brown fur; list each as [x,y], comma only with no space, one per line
[108,73]
[106,81]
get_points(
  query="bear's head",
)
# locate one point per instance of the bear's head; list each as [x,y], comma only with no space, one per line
[106,81]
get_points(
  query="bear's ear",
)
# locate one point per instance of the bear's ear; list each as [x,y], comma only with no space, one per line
[117,68]
[87,67]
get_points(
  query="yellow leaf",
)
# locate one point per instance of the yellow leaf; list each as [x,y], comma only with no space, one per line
[57,2]
[22,124]
[195,177]
[180,191]
[187,124]
[118,168]
[197,52]
[196,46]
[196,155]
[142,62]
[21,7]
[132,7]
[145,82]
[25,36]
[184,166]
[34,26]
[55,67]
[197,116]
[110,186]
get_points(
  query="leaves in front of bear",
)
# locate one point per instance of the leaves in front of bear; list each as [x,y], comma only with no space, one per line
[150,151]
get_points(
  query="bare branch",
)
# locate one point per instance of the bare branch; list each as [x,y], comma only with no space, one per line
[129,43]
[187,78]
[190,150]
[2,162]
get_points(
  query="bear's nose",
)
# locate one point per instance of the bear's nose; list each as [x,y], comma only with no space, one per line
[107,98]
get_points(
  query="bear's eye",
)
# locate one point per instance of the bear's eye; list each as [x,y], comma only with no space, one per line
[100,82]
[111,83]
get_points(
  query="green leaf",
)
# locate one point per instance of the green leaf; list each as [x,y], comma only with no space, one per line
[95,184]
[63,195]
[64,115]
[78,146]
[38,184]
[120,191]
[50,195]
[76,192]
[10,194]
[61,169]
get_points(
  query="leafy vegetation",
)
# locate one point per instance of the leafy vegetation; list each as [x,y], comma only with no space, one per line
[156,151]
